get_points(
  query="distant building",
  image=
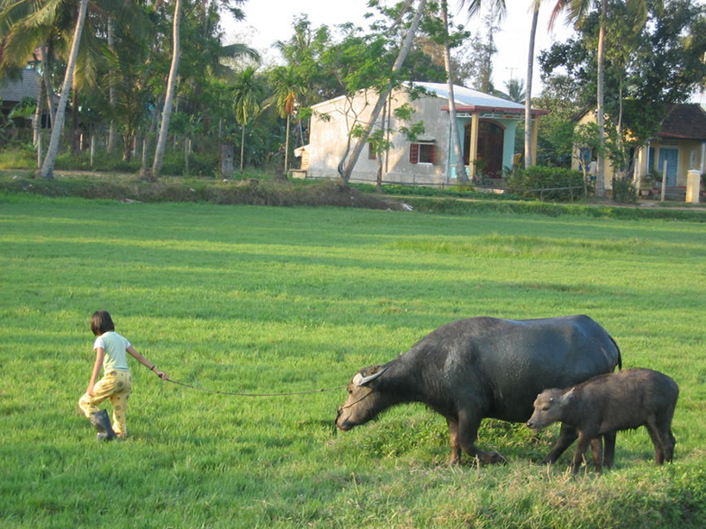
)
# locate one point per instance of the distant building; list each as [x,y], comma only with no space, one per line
[486,124]
[680,143]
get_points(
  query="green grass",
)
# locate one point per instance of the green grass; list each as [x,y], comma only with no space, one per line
[255,299]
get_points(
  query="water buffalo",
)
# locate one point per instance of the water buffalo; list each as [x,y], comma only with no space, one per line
[484,367]
[608,403]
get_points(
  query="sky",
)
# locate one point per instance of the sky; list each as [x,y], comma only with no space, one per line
[269,21]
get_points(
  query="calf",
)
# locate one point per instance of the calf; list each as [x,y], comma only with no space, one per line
[608,403]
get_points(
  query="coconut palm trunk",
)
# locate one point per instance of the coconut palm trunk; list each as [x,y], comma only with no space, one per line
[37,125]
[349,160]
[528,92]
[461,176]
[600,118]
[47,170]
[286,146]
[112,94]
[171,84]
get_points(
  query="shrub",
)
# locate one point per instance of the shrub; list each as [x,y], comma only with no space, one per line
[199,164]
[19,157]
[624,191]
[547,183]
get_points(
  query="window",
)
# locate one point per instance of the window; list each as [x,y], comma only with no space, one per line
[371,152]
[422,153]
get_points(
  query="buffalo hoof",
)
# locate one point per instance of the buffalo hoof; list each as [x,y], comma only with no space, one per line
[497,459]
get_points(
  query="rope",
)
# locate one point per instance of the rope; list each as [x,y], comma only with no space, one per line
[252,394]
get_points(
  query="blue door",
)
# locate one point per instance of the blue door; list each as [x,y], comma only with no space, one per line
[671,156]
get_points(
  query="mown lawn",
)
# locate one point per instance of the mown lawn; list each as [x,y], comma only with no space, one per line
[263,300]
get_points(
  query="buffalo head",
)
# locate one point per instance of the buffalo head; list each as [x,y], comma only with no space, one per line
[548,408]
[364,400]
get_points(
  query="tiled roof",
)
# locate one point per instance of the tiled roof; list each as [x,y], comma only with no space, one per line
[685,122]
[13,90]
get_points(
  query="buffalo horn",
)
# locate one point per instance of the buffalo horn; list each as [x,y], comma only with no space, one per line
[360,380]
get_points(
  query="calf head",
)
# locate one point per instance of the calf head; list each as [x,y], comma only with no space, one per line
[548,408]
[364,399]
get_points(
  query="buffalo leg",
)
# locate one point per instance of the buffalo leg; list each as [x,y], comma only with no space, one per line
[597,453]
[663,427]
[581,446]
[657,440]
[467,435]
[671,442]
[609,450]
[567,435]
[455,446]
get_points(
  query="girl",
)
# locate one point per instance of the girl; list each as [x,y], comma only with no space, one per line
[116,383]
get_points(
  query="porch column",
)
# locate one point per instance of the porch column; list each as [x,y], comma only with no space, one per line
[473,147]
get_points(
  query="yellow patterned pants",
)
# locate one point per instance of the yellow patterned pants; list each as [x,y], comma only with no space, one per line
[115,386]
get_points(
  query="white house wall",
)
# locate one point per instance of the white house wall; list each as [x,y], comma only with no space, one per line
[328,138]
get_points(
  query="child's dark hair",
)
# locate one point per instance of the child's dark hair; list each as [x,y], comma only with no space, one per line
[101,322]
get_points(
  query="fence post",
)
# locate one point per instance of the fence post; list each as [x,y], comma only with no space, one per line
[664,181]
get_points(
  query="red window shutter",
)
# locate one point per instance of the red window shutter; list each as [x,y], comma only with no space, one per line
[413,153]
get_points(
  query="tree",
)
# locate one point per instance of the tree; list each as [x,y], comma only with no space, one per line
[287,87]
[461,175]
[47,170]
[350,158]
[247,103]
[379,142]
[528,93]
[515,90]
[169,98]
[648,68]
[477,56]
[49,26]
[577,11]
[563,98]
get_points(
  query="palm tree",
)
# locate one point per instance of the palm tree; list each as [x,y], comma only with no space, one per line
[461,175]
[246,104]
[50,26]
[47,170]
[577,11]
[287,91]
[515,90]
[528,92]
[169,98]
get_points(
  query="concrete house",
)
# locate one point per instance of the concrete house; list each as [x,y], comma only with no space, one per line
[486,124]
[680,143]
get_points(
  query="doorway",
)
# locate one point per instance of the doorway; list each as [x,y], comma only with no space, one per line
[491,139]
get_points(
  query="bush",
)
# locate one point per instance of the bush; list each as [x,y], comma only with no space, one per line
[199,165]
[547,183]
[19,157]
[624,191]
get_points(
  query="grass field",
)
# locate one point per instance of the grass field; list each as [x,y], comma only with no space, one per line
[262,300]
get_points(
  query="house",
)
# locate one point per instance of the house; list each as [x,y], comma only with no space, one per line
[12,91]
[680,143]
[486,125]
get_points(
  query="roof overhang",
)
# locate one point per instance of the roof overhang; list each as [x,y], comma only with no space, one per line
[495,112]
